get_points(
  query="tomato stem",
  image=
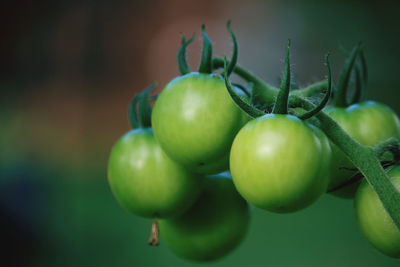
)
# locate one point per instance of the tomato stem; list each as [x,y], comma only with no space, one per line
[311,90]
[391,145]
[281,103]
[266,89]
[154,240]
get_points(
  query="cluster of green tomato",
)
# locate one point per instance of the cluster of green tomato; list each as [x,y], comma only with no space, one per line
[169,167]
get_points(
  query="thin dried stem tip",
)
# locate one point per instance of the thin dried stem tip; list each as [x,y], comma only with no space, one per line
[153,241]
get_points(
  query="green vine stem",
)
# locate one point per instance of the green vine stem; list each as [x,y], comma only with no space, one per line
[257,83]
[391,145]
[357,177]
[181,56]
[281,103]
[363,157]
[312,89]
[206,57]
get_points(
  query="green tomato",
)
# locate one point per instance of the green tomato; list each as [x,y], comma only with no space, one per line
[195,120]
[146,181]
[280,163]
[212,227]
[369,123]
[374,221]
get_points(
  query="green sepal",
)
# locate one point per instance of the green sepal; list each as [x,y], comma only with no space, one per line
[246,107]
[340,99]
[325,100]
[358,87]
[361,75]
[206,56]
[281,103]
[364,69]
[235,51]
[139,111]
[181,56]
[132,112]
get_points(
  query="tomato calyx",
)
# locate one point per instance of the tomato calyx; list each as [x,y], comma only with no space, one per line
[282,98]
[154,236]
[360,70]
[207,64]
[139,111]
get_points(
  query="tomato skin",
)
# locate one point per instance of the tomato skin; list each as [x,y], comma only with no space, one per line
[212,227]
[374,221]
[146,181]
[369,123]
[195,120]
[279,163]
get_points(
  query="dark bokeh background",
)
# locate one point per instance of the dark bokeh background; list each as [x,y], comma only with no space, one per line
[67,72]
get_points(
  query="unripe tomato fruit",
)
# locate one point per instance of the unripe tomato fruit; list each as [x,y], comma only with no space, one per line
[146,181]
[369,123]
[212,227]
[280,163]
[374,221]
[195,120]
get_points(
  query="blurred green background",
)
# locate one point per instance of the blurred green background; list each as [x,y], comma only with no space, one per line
[68,70]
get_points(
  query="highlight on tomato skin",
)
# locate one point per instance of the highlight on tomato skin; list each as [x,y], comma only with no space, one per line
[213,227]
[374,221]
